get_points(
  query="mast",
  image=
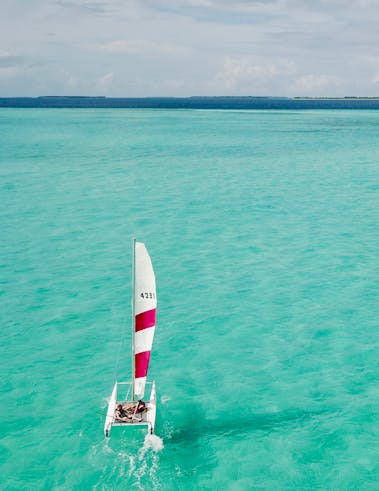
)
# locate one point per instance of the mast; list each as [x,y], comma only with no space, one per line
[133,315]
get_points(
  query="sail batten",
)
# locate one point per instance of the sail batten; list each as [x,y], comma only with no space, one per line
[145,303]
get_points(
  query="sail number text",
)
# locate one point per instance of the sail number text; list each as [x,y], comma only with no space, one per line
[147,295]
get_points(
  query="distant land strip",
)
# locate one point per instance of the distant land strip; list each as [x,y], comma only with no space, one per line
[194,102]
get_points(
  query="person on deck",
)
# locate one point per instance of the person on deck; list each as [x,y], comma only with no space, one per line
[120,414]
[141,407]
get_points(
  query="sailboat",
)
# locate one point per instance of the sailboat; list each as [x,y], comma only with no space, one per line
[126,405]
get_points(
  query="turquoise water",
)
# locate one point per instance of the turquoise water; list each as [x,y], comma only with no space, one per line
[263,230]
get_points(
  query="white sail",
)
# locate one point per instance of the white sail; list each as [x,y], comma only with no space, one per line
[144,306]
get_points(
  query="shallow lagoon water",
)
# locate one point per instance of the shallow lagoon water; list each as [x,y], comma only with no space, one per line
[262,227]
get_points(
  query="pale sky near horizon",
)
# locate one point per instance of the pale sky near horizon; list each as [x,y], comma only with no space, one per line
[137,48]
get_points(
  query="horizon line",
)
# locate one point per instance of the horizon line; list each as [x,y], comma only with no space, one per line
[185,97]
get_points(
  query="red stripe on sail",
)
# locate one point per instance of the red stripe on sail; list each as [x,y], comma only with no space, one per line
[142,363]
[145,319]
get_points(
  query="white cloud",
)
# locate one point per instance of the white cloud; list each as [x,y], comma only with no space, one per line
[315,84]
[104,83]
[251,73]
[8,72]
[138,46]
[367,3]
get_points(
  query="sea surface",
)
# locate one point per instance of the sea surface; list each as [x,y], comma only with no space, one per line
[263,230]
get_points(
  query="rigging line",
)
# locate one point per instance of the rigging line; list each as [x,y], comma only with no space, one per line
[120,348]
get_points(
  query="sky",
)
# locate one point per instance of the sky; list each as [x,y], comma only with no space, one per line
[145,48]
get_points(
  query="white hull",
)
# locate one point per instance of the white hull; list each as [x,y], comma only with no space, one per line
[109,420]
[152,409]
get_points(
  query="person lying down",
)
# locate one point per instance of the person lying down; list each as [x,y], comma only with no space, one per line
[130,414]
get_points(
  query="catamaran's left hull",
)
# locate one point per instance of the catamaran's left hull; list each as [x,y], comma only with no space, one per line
[109,420]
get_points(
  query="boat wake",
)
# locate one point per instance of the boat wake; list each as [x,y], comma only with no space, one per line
[165,399]
[126,467]
[146,465]
[152,442]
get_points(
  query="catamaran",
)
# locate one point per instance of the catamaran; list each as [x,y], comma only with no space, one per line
[126,406]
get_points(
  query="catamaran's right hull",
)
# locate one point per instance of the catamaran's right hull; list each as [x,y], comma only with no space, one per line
[151,414]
